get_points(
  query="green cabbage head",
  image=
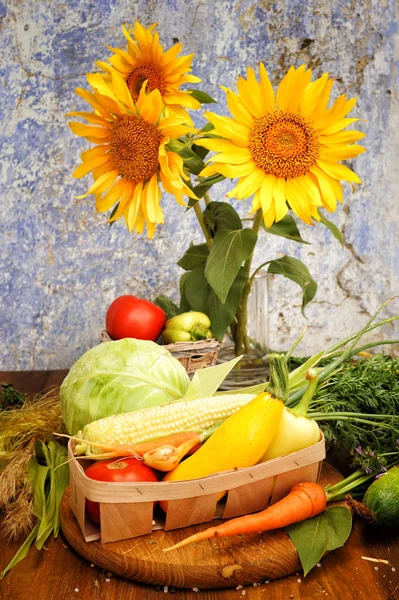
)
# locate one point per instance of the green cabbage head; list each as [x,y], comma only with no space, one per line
[118,377]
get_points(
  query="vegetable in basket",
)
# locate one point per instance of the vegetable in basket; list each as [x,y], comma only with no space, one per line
[121,471]
[118,377]
[242,439]
[296,431]
[131,317]
[187,327]
[123,432]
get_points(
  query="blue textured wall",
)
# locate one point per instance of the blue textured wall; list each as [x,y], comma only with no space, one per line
[61,264]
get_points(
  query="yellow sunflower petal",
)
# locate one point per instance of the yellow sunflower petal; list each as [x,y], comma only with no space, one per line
[153,197]
[90,117]
[96,80]
[151,107]
[338,171]
[340,152]
[122,92]
[93,152]
[89,165]
[101,169]
[280,198]
[247,185]
[236,156]
[86,130]
[229,128]
[250,95]
[104,203]
[266,199]
[237,108]
[292,88]
[101,184]
[326,189]
[341,137]
[266,89]
[297,201]
[132,208]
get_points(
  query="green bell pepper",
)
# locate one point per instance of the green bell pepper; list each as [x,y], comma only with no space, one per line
[187,327]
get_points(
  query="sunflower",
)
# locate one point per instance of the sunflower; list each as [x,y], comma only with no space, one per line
[130,155]
[146,61]
[285,149]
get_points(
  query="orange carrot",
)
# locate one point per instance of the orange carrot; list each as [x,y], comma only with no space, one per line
[123,450]
[304,501]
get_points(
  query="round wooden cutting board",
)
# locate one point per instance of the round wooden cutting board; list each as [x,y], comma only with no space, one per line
[223,562]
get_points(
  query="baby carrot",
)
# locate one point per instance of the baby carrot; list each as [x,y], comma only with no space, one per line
[123,450]
[304,501]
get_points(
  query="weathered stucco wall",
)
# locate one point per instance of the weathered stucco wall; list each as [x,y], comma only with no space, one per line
[61,264]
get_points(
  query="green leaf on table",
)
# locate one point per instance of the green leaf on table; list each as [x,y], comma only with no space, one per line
[221,215]
[287,228]
[195,256]
[229,250]
[326,532]
[197,294]
[205,184]
[22,551]
[202,97]
[294,269]
[333,228]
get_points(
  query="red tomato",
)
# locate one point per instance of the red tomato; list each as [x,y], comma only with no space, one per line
[127,469]
[131,317]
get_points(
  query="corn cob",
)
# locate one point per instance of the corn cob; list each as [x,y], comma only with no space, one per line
[159,421]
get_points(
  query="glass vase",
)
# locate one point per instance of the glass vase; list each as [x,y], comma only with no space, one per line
[253,367]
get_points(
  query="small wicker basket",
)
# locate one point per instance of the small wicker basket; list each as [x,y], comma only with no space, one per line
[192,355]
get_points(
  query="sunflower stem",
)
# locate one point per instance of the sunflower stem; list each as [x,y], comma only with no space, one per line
[207,198]
[241,340]
[201,221]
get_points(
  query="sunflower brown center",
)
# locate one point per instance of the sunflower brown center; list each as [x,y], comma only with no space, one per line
[134,146]
[283,144]
[145,72]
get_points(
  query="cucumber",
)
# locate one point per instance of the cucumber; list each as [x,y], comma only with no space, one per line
[382,499]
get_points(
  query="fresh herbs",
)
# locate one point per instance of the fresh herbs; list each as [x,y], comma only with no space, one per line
[370,388]
[10,397]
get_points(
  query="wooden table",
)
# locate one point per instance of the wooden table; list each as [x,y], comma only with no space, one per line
[57,573]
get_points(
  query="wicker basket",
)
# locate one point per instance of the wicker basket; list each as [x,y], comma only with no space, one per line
[192,355]
[127,509]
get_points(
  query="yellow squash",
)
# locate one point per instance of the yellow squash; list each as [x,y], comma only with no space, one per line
[240,441]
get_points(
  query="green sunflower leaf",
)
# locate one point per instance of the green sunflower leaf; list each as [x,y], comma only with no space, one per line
[333,228]
[202,97]
[200,151]
[197,294]
[294,269]
[195,256]
[221,215]
[207,127]
[286,228]
[229,250]
[113,213]
[205,184]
